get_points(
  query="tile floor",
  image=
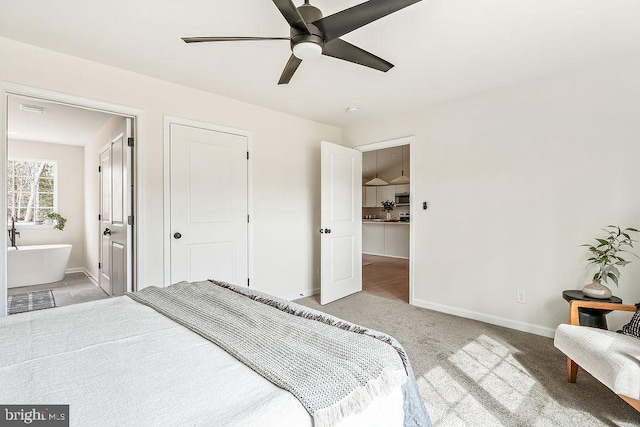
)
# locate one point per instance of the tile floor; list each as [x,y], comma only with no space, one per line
[73,289]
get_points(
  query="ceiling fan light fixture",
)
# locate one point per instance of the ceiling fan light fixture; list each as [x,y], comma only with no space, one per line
[307,50]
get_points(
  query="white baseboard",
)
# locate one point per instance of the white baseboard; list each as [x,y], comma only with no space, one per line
[487,318]
[302,294]
[74,270]
[388,256]
[90,277]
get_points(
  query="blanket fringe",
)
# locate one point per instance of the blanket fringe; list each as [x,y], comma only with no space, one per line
[359,398]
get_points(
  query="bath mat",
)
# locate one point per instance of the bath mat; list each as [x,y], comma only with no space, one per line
[30,301]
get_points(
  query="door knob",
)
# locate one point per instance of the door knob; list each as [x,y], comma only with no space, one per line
[177,235]
[106,232]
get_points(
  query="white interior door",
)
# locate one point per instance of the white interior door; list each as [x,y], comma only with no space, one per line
[105,219]
[209,211]
[115,209]
[341,222]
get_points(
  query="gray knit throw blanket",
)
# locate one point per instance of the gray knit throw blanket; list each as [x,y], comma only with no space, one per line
[333,371]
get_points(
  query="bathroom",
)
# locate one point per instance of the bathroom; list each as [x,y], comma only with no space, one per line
[53,202]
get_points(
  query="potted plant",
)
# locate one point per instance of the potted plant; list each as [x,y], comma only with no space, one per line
[58,219]
[606,255]
[388,206]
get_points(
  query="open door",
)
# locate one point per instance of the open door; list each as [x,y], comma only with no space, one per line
[116,211]
[341,222]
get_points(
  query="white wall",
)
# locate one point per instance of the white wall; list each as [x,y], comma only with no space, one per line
[286,156]
[516,180]
[92,195]
[70,173]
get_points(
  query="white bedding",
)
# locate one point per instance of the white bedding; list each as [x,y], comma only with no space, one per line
[117,362]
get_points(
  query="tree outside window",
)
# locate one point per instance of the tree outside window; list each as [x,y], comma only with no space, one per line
[31,188]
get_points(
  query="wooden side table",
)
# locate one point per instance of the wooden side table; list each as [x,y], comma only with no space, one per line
[592,317]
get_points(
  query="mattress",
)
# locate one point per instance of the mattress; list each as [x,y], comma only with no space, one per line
[117,362]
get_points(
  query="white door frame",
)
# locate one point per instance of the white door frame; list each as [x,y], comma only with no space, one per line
[407,140]
[168,120]
[7,89]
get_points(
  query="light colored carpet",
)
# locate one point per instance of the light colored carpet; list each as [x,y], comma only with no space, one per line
[476,374]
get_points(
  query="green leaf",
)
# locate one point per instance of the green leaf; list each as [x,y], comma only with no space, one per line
[614,278]
[632,229]
[623,263]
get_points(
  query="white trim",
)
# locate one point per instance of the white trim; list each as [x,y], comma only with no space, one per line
[405,140]
[487,318]
[7,89]
[168,120]
[90,277]
[4,138]
[386,255]
[85,272]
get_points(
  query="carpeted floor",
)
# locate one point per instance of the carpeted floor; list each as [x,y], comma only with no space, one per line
[476,374]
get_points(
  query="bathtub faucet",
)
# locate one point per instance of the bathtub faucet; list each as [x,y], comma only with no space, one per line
[13,232]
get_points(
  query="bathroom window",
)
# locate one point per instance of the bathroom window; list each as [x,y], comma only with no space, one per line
[31,186]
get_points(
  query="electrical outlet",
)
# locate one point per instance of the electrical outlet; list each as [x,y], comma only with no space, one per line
[521,297]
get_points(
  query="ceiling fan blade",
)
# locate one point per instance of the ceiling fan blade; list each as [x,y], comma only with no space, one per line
[291,14]
[229,39]
[341,23]
[340,49]
[289,69]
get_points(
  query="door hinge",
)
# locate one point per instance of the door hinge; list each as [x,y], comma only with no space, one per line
[130,220]
[130,141]
[248,282]
[99,168]
[99,217]
[99,266]
[247,155]
[247,219]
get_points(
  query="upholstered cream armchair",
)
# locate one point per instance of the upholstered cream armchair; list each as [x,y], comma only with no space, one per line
[610,357]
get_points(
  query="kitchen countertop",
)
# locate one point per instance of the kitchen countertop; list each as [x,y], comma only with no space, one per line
[379,221]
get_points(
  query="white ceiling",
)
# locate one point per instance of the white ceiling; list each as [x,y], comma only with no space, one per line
[442,49]
[60,124]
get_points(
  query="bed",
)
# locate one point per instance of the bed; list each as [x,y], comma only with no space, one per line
[150,358]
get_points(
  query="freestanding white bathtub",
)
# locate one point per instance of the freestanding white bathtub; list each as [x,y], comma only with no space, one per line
[34,265]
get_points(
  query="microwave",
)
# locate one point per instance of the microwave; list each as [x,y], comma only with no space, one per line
[402,199]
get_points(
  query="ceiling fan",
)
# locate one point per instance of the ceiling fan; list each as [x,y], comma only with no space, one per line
[312,35]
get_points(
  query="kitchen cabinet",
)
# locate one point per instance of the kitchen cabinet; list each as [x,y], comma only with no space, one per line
[369,197]
[404,188]
[372,238]
[396,240]
[387,192]
[386,239]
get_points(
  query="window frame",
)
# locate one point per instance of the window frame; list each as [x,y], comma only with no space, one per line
[55,189]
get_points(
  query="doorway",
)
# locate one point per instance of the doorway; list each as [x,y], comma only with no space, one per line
[387,234]
[50,177]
